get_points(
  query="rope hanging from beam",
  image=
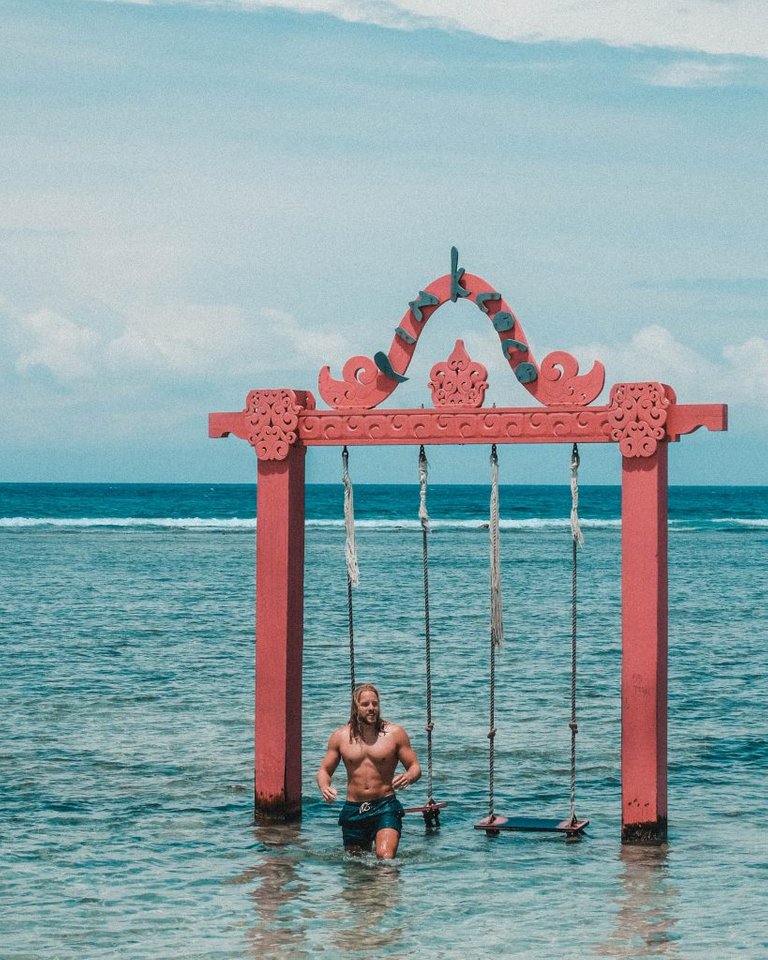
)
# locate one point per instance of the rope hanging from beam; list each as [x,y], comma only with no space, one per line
[497,622]
[424,520]
[431,809]
[577,540]
[350,553]
[493,824]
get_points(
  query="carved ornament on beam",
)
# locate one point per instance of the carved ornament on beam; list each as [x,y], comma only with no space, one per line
[458,381]
[272,418]
[638,416]
[367,381]
[448,425]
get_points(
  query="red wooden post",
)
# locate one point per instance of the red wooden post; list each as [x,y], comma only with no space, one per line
[279,633]
[269,423]
[644,647]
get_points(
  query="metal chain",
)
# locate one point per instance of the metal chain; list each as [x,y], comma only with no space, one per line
[424,518]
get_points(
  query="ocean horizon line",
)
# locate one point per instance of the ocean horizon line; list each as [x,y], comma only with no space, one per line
[358,483]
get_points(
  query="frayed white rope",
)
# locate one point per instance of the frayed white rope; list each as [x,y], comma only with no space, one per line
[497,621]
[578,536]
[350,549]
[423,475]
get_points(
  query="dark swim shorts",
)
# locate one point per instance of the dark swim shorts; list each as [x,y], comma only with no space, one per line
[360,822]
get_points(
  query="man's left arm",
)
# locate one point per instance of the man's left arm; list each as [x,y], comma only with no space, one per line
[407,757]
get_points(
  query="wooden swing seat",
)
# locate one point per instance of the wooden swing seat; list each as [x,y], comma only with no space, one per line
[534,824]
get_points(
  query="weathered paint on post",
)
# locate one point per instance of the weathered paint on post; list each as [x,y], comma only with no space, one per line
[279,633]
[644,648]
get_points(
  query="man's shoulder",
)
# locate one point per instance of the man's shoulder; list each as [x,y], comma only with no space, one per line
[339,733]
[395,730]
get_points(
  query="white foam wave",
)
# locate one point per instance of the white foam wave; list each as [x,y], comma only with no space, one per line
[757,523]
[530,523]
[192,523]
[381,523]
[185,523]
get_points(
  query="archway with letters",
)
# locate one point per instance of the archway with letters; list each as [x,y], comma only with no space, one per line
[640,418]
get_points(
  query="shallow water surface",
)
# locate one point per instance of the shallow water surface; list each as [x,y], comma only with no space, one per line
[127,823]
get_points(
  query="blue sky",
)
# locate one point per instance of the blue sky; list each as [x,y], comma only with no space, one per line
[197,199]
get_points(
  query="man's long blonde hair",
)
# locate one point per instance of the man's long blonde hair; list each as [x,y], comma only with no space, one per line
[355,733]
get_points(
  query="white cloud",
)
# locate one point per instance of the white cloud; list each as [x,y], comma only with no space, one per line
[736,27]
[749,365]
[739,374]
[692,73]
[61,346]
[193,340]
[182,341]
[196,343]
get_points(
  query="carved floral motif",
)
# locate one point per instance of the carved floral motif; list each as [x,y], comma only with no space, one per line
[458,381]
[638,416]
[272,419]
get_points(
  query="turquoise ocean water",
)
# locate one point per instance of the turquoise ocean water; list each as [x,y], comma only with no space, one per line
[126,821]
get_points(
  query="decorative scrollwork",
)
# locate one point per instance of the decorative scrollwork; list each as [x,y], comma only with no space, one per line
[456,425]
[362,384]
[638,416]
[273,421]
[559,383]
[368,381]
[458,381]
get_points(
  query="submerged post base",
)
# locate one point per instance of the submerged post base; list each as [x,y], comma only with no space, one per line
[651,833]
[275,809]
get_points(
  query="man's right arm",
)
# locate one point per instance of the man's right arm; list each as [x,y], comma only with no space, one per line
[328,768]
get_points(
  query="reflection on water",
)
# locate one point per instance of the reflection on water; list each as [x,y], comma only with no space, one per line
[645,920]
[277,890]
[366,912]
[362,915]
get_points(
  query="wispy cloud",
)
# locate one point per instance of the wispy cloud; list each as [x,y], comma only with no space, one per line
[692,73]
[56,344]
[165,345]
[736,27]
[736,374]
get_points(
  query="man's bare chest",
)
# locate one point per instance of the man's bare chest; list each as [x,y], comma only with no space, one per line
[379,751]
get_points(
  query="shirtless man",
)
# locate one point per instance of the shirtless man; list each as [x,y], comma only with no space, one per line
[370,748]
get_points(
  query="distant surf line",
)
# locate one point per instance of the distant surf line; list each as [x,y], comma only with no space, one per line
[380,524]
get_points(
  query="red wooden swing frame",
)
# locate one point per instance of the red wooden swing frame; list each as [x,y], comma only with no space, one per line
[642,418]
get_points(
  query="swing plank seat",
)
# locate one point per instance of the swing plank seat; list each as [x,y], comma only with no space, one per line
[427,808]
[533,824]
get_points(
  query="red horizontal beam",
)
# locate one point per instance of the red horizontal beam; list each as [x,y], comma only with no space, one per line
[323,428]
[687,417]
[453,426]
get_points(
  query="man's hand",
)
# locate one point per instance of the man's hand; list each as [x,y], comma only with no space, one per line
[329,793]
[401,781]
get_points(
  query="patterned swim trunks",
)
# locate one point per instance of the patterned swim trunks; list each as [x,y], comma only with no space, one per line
[360,822]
